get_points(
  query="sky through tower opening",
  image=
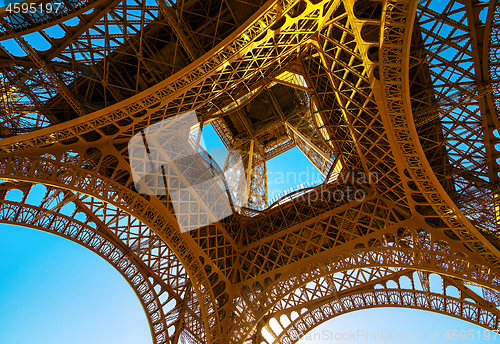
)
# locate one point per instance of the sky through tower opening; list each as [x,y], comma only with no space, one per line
[277,130]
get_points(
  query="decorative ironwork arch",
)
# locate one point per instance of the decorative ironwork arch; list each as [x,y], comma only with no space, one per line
[336,294]
[479,314]
[70,177]
[417,251]
[124,242]
[356,58]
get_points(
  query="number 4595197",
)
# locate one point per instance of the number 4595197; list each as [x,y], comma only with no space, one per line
[471,335]
[32,8]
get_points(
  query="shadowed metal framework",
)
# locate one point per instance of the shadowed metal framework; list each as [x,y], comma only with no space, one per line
[406,91]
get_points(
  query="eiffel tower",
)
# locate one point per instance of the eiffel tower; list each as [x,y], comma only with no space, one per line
[402,90]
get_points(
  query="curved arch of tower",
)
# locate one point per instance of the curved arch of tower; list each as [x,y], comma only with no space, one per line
[104,103]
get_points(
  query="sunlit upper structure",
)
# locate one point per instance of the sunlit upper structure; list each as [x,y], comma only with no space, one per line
[404,90]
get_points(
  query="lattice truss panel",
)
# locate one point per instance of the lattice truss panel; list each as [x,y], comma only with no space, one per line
[149,266]
[340,76]
[18,114]
[357,280]
[306,236]
[458,90]
[414,103]
[96,53]
[154,248]
[494,52]
[211,78]
[303,132]
[334,295]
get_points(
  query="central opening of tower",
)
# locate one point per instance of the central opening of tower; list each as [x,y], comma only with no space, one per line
[278,132]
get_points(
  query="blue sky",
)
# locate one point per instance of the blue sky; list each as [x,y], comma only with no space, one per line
[53,291]
[285,171]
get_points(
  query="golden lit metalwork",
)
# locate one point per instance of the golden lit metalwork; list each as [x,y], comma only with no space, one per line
[402,92]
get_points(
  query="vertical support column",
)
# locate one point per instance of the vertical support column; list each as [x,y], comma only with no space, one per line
[248,165]
[264,333]
[318,157]
[256,174]
[254,162]
[496,201]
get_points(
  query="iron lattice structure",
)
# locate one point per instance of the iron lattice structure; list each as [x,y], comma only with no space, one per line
[401,89]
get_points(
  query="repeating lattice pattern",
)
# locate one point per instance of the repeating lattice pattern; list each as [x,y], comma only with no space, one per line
[402,91]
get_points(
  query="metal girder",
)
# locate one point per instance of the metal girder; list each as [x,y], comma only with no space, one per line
[479,313]
[317,157]
[90,184]
[414,247]
[97,237]
[384,102]
[198,80]
[51,74]
[24,23]
[254,162]
[84,24]
[177,24]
